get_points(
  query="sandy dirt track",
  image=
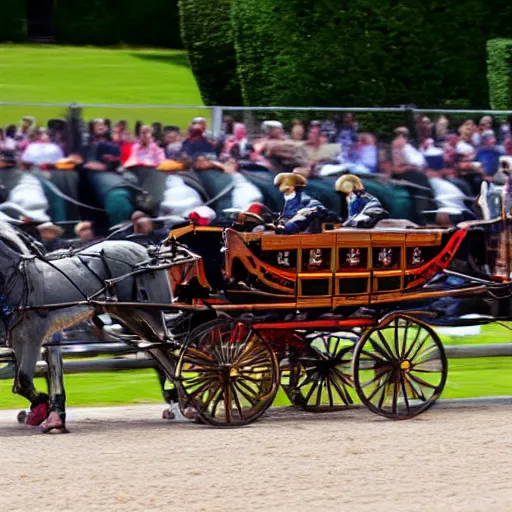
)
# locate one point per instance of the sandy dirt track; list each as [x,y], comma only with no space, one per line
[458,456]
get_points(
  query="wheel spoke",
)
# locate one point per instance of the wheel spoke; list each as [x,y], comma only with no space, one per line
[418,392]
[395,338]
[329,393]
[386,345]
[194,354]
[250,357]
[374,357]
[200,390]
[342,391]
[419,347]
[406,399]
[194,381]
[335,351]
[384,394]
[383,353]
[404,341]
[253,400]
[379,373]
[216,402]
[210,399]
[237,401]
[227,401]
[394,403]
[345,379]
[424,357]
[379,386]
[311,390]
[310,377]
[319,392]
[416,338]
[421,382]
[255,380]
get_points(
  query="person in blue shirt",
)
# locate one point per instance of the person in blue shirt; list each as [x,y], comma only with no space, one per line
[488,154]
[301,212]
[196,142]
[364,210]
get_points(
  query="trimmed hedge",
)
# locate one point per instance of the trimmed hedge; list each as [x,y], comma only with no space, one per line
[207,35]
[331,53]
[111,22]
[13,23]
[499,73]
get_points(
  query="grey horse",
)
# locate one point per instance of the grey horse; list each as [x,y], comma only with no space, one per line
[30,280]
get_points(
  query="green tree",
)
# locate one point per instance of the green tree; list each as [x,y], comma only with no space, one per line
[370,52]
[111,22]
[207,35]
[499,64]
[13,23]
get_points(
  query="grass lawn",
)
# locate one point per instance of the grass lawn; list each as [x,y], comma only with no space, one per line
[66,74]
[466,378]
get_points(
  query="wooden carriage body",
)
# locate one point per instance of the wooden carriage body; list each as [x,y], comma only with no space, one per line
[337,268]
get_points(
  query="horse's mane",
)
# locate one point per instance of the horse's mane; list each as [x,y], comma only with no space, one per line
[13,239]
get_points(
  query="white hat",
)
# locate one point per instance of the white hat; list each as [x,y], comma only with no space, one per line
[267,125]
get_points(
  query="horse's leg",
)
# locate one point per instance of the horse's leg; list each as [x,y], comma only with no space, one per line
[27,353]
[170,396]
[56,419]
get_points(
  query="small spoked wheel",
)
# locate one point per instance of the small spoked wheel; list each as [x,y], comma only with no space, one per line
[320,376]
[400,369]
[227,373]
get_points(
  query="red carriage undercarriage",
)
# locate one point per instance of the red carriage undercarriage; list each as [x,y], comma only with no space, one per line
[334,318]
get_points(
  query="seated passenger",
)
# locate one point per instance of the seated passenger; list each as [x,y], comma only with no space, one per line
[113,191]
[146,155]
[300,212]
[364,210]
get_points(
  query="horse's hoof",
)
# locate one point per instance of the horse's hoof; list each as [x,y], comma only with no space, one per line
[53,422]
[167,414]
[22,417]
[37,415]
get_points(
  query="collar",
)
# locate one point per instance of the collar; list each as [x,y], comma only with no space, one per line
[293,195]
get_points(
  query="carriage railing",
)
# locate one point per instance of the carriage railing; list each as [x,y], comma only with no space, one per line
[495,247]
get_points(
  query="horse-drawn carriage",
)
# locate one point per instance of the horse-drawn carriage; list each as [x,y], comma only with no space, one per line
[230,314]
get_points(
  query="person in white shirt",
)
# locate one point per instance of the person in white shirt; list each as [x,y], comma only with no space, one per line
[451,199]
[404,152]
[244,192]
[42,151]
[181,199]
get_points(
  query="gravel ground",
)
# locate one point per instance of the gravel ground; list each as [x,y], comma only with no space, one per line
[455,457]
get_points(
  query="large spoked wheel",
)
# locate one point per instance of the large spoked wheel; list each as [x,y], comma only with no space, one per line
[227,373]
[400,369]
[320,375]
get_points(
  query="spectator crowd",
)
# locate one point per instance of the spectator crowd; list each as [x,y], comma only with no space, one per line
[117,172]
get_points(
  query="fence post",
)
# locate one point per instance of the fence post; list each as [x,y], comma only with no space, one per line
[217,121]
[74,138]
[410,111]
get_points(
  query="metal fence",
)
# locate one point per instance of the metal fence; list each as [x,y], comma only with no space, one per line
[181,115]
[127,358]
